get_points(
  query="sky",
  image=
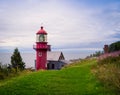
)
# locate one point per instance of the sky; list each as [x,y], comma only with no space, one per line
[72,25]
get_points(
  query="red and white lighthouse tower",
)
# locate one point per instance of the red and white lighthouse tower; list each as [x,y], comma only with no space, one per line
[41,49]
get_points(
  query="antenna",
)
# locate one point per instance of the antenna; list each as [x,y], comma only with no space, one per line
[41,25]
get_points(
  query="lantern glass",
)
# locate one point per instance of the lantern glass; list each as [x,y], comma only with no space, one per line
[41,38]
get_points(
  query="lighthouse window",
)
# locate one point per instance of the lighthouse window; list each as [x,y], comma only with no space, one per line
[37,38]
[42,38]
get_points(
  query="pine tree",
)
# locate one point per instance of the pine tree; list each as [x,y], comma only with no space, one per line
[16,60]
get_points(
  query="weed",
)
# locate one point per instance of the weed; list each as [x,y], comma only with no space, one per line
[108,72]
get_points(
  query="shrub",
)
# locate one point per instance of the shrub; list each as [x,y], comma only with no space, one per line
[1,76]
[3,71]
[110,60]
[6,71]
[108,72]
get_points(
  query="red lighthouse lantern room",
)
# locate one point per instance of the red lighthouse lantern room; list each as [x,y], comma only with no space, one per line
[41,49]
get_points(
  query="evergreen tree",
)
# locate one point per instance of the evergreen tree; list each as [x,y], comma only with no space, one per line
[16,60]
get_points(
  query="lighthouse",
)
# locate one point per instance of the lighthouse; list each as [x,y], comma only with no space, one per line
[41,49]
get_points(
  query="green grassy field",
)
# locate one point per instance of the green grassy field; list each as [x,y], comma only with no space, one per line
[75,79]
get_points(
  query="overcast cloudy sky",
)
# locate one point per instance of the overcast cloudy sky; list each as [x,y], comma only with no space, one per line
[71,24]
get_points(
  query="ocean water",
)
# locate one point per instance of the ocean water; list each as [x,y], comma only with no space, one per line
[29,58]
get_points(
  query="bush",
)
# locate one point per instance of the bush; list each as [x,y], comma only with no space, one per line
[108,72]
[110,60]
[3,71]
[1,76]
[6,71]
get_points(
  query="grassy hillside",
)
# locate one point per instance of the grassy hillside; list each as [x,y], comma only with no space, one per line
[75,79]
[108,72]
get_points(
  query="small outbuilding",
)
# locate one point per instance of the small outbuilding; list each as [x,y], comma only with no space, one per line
[55,60]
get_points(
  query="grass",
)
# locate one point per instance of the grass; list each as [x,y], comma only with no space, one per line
[74,79]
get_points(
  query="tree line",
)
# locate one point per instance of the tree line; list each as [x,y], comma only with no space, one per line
[114,46]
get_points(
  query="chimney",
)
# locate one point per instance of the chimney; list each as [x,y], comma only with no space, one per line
[106,49]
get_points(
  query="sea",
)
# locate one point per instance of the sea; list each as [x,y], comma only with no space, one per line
[29,58]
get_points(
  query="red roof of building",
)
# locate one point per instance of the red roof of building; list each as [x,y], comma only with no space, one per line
[41,31]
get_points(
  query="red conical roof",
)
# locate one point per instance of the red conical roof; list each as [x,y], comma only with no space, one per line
[41,31]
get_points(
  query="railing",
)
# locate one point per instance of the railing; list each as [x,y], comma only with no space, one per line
[40,47]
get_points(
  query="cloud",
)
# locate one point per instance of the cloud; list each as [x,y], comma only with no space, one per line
[68,26]
[2,42]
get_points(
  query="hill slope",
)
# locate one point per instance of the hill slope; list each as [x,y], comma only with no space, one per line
[75,79]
